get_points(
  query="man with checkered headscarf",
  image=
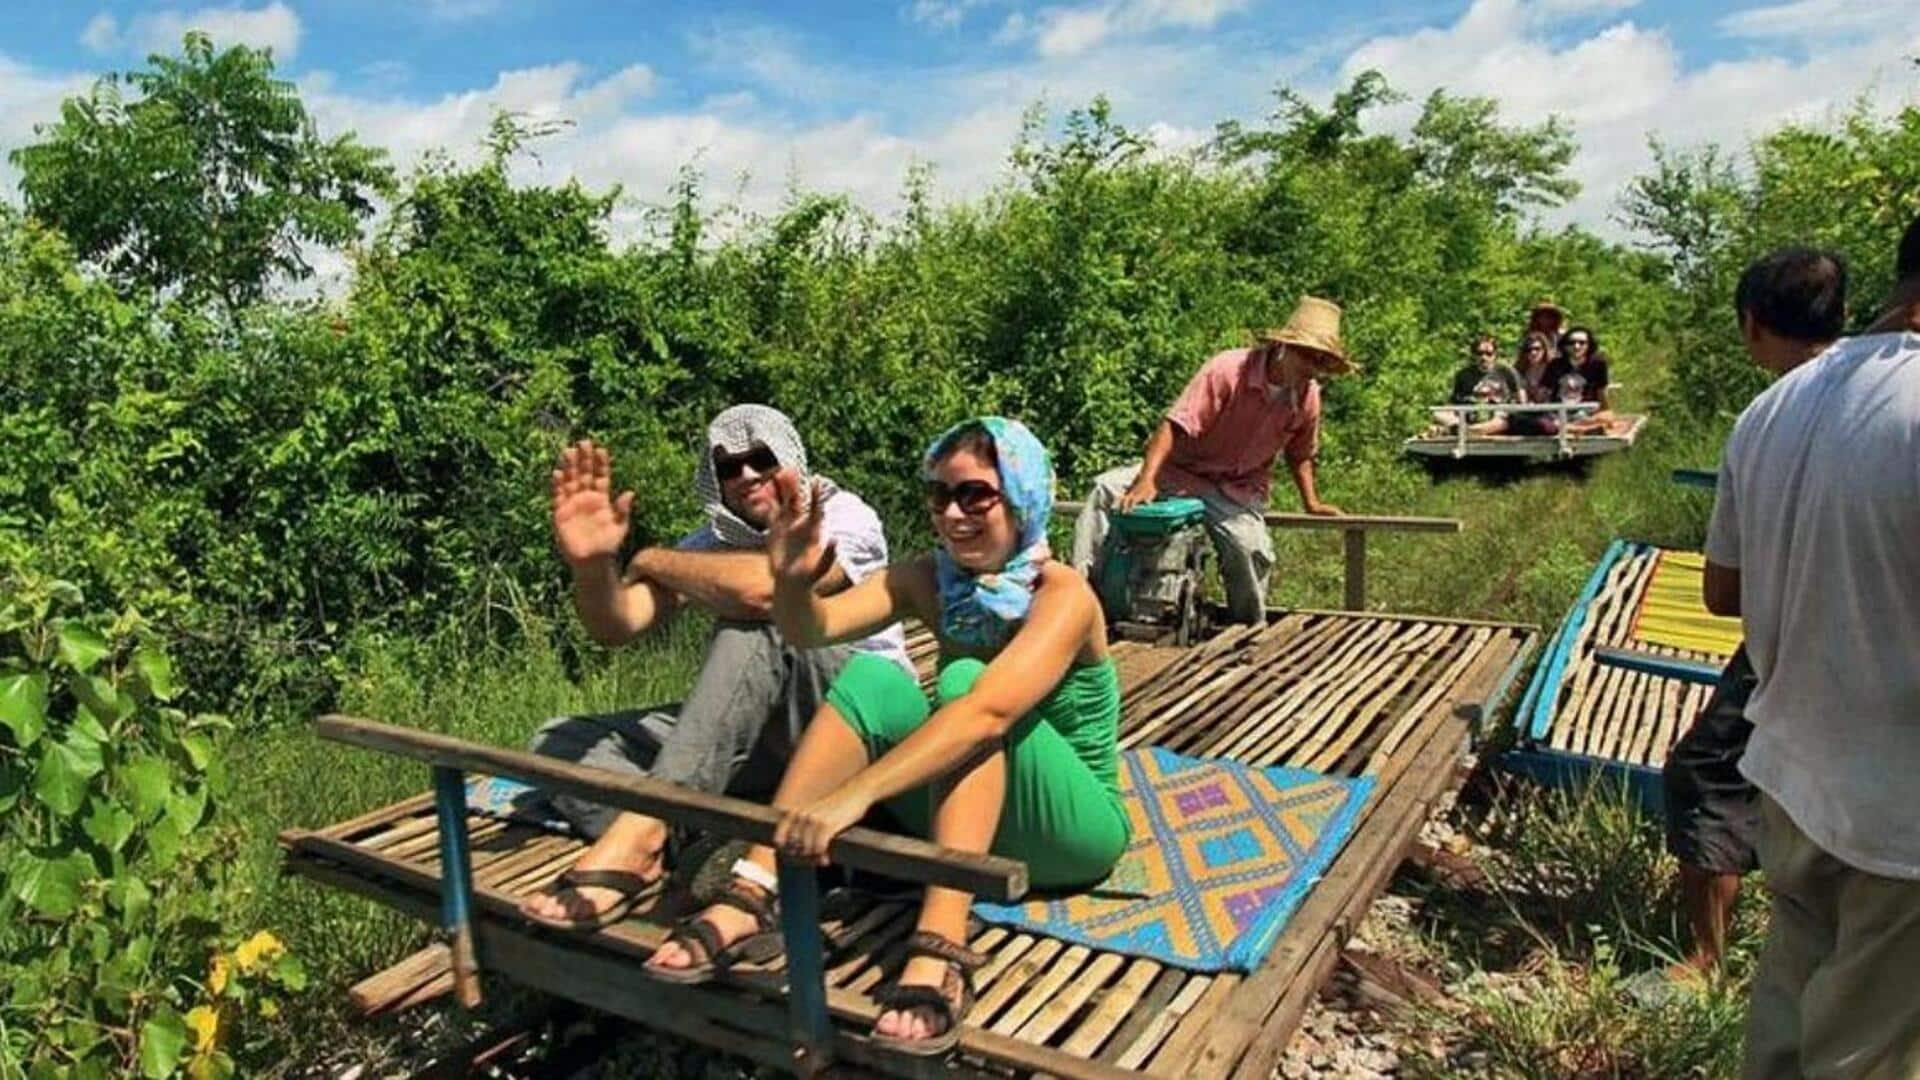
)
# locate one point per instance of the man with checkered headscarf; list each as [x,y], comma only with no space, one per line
[738,724]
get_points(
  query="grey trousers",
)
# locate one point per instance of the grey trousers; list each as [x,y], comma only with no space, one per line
[1239,535]
[733,734]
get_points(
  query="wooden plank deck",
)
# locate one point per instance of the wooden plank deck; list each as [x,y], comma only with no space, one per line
[1349,694]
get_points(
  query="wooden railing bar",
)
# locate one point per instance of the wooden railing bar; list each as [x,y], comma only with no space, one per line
[903,857]
[1344,523]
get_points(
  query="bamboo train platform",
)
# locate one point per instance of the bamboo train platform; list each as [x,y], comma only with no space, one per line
[1392,696]
[1603,704]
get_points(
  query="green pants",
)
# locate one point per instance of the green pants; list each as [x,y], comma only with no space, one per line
[1062,815]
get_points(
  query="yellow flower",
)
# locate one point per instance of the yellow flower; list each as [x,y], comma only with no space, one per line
[257,951]
[217,978]
[204,1022]
[269,1008]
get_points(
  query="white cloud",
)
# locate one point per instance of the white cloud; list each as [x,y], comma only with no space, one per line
[1073,31]
[1570,9]
[275,26]
[1070,31]
[1622,84]
[101,34]
[1802,19]
[940,14]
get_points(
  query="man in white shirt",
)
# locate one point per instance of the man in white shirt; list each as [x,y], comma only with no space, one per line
[739,723]
[1791,305]
[1815,544]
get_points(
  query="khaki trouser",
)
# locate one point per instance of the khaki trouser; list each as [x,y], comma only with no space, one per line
[1239,535]
[1837,993]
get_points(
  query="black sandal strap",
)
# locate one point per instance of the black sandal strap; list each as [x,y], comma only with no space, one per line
[748,898]
[701,932]
[927,943]
[625,882]
[900,998]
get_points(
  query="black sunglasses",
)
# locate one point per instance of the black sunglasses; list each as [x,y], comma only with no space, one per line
[975,497]
[729,468]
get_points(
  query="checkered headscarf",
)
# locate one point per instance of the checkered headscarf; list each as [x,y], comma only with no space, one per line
[734,432]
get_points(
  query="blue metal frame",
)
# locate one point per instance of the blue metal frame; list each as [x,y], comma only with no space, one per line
[808,1020]
[1664,666]
[456,880]
[1565,769]
[1698,478]
[1535,714]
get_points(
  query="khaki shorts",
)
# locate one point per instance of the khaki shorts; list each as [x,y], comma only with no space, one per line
[1837,993]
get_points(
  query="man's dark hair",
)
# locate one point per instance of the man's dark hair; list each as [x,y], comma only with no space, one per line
[1907,265]
[1798,293]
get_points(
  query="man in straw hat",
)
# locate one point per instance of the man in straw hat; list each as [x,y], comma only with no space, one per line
[739,723]
[1219,441]
[1549,318]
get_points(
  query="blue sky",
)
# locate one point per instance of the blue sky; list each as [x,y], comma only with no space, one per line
[846,95]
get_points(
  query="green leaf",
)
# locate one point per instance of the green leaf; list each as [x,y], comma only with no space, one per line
[289,972]
[163,841]
[162,1038]
[147,781]
[13,780]
[199,749]
[65,768]
[23,706]
[130,895]
[87,726]
[154,666]
[109,824]
[101,700]
[187,808]
[51,887]
[80,647]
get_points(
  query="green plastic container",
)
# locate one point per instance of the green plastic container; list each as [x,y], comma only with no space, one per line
[1162,518]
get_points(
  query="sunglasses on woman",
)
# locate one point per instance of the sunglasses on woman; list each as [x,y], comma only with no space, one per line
[975,497]
[730,468]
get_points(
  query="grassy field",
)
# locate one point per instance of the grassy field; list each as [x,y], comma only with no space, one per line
[1581,886]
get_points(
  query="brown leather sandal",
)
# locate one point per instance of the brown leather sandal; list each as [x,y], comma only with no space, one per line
[697,931]
[950,1001]
[632,890]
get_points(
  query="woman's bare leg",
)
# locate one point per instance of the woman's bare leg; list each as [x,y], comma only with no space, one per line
[965,818]
[828,756]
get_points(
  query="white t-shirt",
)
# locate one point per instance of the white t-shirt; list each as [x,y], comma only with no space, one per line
[1819,509]
[860,549]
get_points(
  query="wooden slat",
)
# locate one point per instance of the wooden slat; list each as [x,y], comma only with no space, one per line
[866,849]
[1041,990]
[1115,1003]
[1163,1021]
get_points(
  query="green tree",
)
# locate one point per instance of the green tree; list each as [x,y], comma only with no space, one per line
[210,177]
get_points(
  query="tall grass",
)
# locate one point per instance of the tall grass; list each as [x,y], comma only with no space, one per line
[1582,901]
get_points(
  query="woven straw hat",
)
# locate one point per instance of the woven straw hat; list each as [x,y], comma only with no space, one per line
[1315,324]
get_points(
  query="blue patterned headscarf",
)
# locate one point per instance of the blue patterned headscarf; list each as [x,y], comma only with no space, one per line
[980,609]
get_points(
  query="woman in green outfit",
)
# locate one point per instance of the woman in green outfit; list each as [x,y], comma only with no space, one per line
[1019,758]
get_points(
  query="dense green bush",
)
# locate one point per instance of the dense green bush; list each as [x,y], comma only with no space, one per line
[1851,187]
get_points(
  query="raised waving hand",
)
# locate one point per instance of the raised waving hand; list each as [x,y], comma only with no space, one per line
[588,522]
[795,550]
